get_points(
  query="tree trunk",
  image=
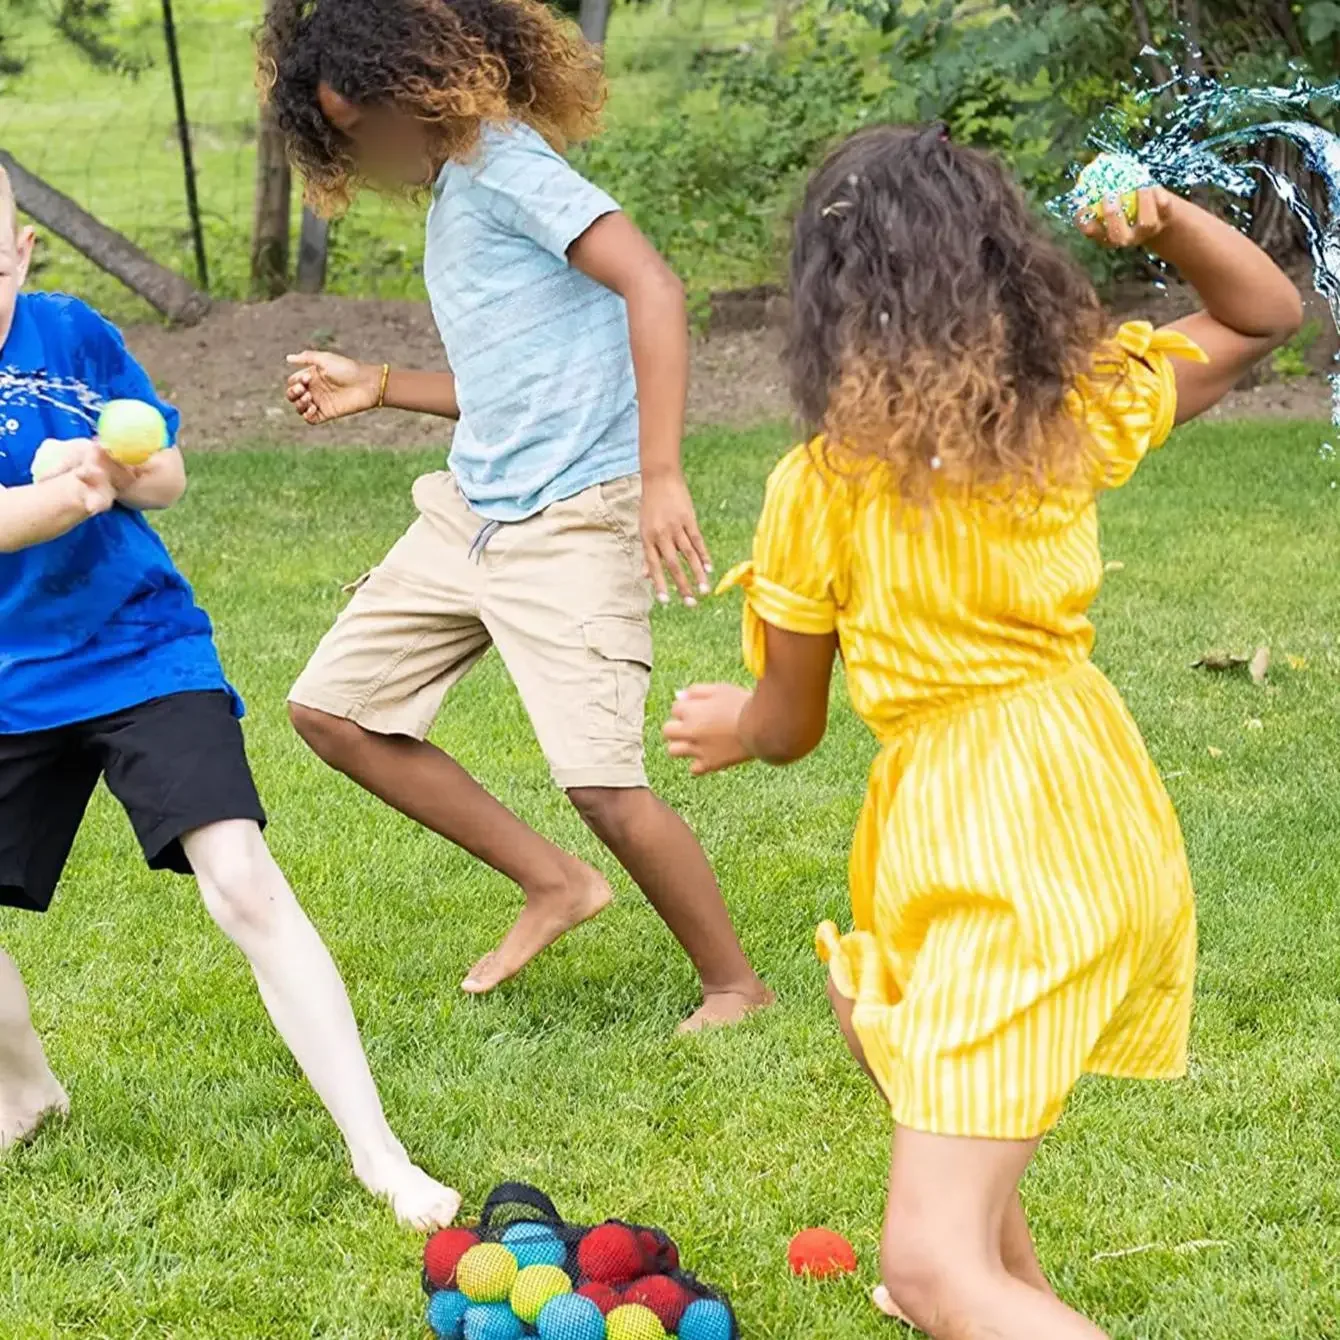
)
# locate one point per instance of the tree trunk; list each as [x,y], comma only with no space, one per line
[177,299]
[783,25]
[595,20]
[1140,14]
[313,246]
[270,232]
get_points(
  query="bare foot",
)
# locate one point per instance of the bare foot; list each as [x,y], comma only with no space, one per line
[545,918]
[883,1300]
[722,1008]
[27,1110]
[418,1201]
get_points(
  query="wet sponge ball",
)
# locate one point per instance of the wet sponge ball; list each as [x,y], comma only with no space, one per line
[131,431]
[1114,174]
[486,1273]
[821,1253]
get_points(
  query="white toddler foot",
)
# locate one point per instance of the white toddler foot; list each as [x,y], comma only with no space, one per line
[28,1108]
[418,1201]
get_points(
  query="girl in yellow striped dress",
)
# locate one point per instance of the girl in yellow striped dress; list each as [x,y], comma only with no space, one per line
[1021,902]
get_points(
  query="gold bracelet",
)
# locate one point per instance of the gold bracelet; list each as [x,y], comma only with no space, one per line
[386,377]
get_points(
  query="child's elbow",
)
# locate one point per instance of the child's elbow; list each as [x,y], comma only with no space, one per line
[1289,317]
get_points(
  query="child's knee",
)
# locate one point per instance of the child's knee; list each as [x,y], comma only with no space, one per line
[609,812]
[241,887]
[333,739]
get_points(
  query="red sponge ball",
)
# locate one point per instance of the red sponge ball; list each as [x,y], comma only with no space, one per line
[667,1298]
[820,1253]
[610,1254]
[602,1296]
[661,1253]
[443,1253]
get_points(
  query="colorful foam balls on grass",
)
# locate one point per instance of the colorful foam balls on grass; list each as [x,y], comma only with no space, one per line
[534,1287]
[446,1314]
[605,1298]
[632,1321]
[706,1320]
[667,1298]
[571,1317]
[819,1253]
[492,1321]
[442,1254]
[534,1244]
[611,1254]
[486,1273]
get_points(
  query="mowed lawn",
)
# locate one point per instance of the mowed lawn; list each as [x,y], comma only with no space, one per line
[198,1190]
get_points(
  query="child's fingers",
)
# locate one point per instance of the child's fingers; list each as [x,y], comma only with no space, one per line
[1147,212]
[1119,231]
[669,556]
[656,574]
[692,548]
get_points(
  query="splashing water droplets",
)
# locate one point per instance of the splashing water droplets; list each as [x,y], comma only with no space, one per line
[1185,147]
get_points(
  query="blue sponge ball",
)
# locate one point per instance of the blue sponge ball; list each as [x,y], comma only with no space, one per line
[534,1245]
[571,1317]
[446,1314]
[705,1320]
[492,1321]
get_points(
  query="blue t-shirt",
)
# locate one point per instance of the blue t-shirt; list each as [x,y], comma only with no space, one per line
[544,370]
[99,619]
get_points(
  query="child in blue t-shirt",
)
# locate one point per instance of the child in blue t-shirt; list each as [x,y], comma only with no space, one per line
[564,502]
[108,671]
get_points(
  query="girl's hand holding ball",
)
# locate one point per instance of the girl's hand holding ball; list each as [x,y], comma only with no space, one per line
[1111,224]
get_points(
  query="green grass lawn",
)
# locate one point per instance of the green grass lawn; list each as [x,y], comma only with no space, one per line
[198,1189]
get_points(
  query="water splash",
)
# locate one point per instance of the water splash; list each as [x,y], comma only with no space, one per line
[1184,146]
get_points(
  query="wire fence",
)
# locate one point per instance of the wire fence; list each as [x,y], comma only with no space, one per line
[109,139]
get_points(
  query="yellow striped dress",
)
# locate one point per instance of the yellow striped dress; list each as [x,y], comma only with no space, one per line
[1021,903]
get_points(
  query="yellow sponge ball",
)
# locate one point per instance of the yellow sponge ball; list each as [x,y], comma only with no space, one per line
[131,431]
[486,1273]
[633,1322]
[534,1287]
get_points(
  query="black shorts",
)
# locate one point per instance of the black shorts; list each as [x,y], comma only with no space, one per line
[176,764]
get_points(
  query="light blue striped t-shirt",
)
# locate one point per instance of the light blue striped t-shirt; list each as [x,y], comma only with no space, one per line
[544,371]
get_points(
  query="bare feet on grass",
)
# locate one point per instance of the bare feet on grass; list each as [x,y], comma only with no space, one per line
[720,1009]
[23,1112]
[545,918]
[418,1201]
[883,1300]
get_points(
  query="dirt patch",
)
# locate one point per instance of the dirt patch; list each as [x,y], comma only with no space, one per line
[227,374]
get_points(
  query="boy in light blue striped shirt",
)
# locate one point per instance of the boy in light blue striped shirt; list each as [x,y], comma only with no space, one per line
[564,503]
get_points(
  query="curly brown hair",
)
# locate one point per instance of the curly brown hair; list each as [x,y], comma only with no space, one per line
[450,64]
[936,327]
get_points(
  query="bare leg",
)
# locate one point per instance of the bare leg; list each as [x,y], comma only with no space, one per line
[430,787]
[1016,1242]
[948,1202]
[29,1092]
[249,898]
[665,860]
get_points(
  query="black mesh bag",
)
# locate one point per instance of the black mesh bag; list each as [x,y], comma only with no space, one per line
[539,1275]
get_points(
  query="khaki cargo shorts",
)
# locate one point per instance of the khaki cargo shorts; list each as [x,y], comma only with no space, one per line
[562,596]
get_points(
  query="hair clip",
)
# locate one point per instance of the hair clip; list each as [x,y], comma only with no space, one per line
[836,207]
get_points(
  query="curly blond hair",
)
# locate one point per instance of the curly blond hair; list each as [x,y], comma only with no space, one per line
[452,64]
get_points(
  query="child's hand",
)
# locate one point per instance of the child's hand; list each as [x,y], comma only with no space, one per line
[330,386]
[94,479]
[704,727]
[670,533]
[1110,227]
